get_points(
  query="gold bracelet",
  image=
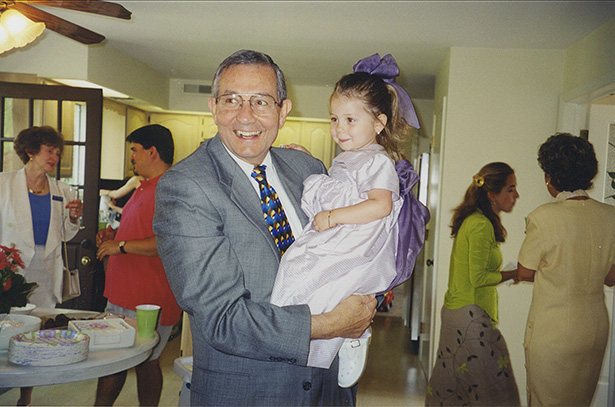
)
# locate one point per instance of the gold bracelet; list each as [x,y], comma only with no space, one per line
[329,219]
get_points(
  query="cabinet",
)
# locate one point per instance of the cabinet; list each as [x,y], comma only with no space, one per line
[190,130]
[313,135]
[186,130]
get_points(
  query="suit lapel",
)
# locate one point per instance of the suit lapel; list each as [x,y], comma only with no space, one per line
[56,222]
[21,203]
[293,183]
[240,190]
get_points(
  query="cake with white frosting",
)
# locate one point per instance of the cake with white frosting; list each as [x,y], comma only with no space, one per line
[49,347]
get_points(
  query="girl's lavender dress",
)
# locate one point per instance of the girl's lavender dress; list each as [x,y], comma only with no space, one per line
[323,268]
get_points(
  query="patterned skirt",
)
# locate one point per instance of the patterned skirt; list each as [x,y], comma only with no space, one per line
[472,366]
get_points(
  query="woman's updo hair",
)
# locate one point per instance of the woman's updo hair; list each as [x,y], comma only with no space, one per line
[30,141]
[569,160]
[493,177]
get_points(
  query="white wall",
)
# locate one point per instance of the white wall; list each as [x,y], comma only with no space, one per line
[502,104]
[56,57]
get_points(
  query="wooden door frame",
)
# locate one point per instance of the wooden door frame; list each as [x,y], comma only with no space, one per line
[94,102]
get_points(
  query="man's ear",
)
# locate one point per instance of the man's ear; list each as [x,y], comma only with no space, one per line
[153,152]
[213,108]
[287,105]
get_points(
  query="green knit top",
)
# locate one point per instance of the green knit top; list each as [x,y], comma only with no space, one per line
[475,265]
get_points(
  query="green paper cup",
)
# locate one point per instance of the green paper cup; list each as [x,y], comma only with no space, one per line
[147,317]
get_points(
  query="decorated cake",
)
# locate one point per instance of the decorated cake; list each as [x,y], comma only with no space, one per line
[106,333]
[49,348]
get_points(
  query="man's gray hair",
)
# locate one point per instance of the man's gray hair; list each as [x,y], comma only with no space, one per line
[248,57]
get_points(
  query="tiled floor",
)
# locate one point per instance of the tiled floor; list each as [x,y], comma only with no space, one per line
[393,376]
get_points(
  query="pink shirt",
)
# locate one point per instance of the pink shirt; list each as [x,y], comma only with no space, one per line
[133,279]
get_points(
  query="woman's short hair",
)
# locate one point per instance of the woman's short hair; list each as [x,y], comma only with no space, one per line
[30,141]
[569,160]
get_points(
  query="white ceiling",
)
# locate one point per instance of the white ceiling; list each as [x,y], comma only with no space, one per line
[315,42]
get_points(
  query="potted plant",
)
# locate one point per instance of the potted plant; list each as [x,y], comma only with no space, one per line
[14,289]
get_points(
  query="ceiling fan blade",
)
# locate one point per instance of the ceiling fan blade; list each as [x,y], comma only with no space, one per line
[66,28]
[89,6]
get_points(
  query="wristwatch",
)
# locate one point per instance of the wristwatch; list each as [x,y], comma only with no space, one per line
[121,246]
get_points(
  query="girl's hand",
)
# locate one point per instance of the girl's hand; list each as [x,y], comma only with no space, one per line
[322,221]
[75,208]
[294,146]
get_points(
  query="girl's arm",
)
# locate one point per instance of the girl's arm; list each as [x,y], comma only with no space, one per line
[378,205]
[131,184]
[113,206]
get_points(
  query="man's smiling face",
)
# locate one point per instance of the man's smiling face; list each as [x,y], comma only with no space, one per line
[246,134]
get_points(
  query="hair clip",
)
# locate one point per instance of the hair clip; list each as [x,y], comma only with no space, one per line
[479,180]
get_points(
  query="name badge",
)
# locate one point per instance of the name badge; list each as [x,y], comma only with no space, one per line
[57,198]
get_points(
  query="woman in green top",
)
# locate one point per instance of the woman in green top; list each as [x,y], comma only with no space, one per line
[473,367]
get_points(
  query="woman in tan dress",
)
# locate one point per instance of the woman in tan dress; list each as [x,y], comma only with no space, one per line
[568,252]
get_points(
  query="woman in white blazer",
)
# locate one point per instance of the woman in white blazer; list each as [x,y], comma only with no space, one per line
[37,213]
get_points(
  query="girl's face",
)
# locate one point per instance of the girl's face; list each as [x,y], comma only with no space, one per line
[47,158]
[504,201]
[352,125]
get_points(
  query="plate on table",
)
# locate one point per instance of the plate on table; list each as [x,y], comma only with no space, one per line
[48,348]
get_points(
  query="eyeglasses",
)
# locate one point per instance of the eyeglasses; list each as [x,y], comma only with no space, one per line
[260,104]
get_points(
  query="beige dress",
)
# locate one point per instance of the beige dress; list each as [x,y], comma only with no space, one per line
[571,245]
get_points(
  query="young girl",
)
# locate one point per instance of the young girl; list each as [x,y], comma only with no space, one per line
[350,245]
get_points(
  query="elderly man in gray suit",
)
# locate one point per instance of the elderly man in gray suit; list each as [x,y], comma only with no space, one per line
[221,255]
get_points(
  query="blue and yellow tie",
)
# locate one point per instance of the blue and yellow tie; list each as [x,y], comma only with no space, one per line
[273,212]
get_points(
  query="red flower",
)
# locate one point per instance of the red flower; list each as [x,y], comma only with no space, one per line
[14,289]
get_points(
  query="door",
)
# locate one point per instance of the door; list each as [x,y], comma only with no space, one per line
[77,114]
[428,311]
[601,122]
[418,277]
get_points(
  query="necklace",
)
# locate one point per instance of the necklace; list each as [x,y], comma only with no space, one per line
[44,181]
[30,190]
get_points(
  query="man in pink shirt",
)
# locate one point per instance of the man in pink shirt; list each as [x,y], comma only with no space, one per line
[135,274]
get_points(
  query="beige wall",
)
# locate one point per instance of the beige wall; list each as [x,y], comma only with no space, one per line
[502,104]
[58,57]
[590,63]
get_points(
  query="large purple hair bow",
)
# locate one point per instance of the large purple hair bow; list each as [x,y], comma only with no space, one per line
[387,69]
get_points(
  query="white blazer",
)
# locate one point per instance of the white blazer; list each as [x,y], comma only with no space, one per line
[16,223]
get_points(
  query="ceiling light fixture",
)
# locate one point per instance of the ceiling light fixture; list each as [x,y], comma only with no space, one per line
[16,30]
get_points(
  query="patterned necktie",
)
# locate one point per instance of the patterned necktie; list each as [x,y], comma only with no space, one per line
[273,212]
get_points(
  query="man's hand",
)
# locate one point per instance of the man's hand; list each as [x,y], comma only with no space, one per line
[349,319]
[105,234]
[108,248]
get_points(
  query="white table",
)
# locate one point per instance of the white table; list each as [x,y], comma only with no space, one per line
[98,363]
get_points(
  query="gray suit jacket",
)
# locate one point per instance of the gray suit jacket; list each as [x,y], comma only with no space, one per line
[221,263]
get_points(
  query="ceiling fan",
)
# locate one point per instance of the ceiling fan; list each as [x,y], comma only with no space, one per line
[64,27]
